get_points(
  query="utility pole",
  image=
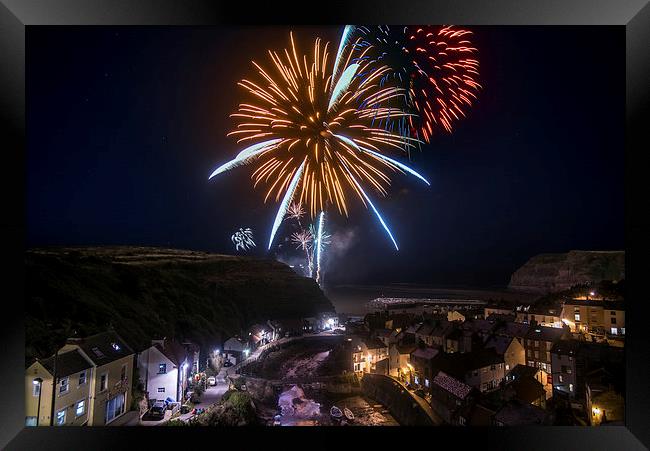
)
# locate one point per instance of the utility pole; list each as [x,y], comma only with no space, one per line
[56,355]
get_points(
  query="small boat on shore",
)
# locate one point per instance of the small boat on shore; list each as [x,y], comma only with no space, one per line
[336,413]
[348,414]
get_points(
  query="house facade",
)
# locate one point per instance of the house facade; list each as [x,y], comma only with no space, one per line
[164,370]
[72,390]
[110,386]
[367,354]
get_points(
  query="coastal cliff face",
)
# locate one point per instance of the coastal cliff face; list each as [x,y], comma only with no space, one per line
[548,273]
[145,293]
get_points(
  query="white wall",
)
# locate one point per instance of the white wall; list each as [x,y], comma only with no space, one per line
[148,365]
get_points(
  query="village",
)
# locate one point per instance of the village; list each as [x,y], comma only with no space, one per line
[460,362]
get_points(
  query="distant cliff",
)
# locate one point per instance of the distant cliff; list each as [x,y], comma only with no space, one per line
[148,292]
[546,273]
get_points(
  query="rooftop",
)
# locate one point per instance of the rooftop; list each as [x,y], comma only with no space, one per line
[543,333]
[103,348]
[67,363]
[425,353]
[452,385]
[517,413]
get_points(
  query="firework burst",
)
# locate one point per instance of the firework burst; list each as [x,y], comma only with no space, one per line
[295,211]
[310,133]
[437,67]
[243,239]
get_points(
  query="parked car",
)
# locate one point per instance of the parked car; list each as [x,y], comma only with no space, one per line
[212,381]
[157,411]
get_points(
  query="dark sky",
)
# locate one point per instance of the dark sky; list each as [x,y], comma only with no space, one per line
[125,125]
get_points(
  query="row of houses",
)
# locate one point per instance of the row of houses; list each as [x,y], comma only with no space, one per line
[504,359]
[237,348]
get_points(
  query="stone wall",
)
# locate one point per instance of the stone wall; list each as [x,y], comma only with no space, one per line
[401,404]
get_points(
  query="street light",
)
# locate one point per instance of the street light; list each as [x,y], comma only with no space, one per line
[38,381]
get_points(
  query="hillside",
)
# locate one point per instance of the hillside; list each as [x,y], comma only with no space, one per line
[546,273]
[147,292]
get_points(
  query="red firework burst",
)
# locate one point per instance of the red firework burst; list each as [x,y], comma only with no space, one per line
[443,84]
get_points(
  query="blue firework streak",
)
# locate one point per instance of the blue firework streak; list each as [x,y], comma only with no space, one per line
[386,45]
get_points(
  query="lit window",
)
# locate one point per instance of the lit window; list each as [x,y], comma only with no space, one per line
[560,378]
[82,378]
[622,330]
[162,368]
[30,421]
[507,367]
[577,316]
[81,408]
[64,385]
[426,382]
[614,330]
[36,389]
[570,387]
[60,417]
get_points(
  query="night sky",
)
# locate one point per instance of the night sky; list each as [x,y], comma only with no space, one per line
[124,126]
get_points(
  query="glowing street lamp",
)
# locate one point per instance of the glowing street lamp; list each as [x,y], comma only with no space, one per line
[39,382]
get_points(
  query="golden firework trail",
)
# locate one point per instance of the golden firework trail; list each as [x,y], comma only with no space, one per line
[309,132]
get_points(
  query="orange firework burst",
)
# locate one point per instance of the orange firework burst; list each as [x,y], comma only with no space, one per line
[310,131]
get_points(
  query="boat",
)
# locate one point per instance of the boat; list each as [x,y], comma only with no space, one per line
[348,414]
[336,413]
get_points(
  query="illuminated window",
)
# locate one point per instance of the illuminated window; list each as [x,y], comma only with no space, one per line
[64,385]
[60,417]
[36,389]
[81,408]
[577,316]
[614,330]
[570,387]
[560,378]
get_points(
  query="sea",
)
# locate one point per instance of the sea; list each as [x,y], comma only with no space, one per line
[352,299]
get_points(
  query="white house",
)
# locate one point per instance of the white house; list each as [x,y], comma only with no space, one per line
[233,349]
[164,368]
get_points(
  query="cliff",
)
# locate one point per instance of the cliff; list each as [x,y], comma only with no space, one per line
[148,292]
[546,273]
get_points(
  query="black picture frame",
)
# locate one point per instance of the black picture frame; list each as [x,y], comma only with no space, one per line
[16,15]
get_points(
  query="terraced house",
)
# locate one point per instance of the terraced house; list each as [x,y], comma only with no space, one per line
[93,383]
[71,390]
